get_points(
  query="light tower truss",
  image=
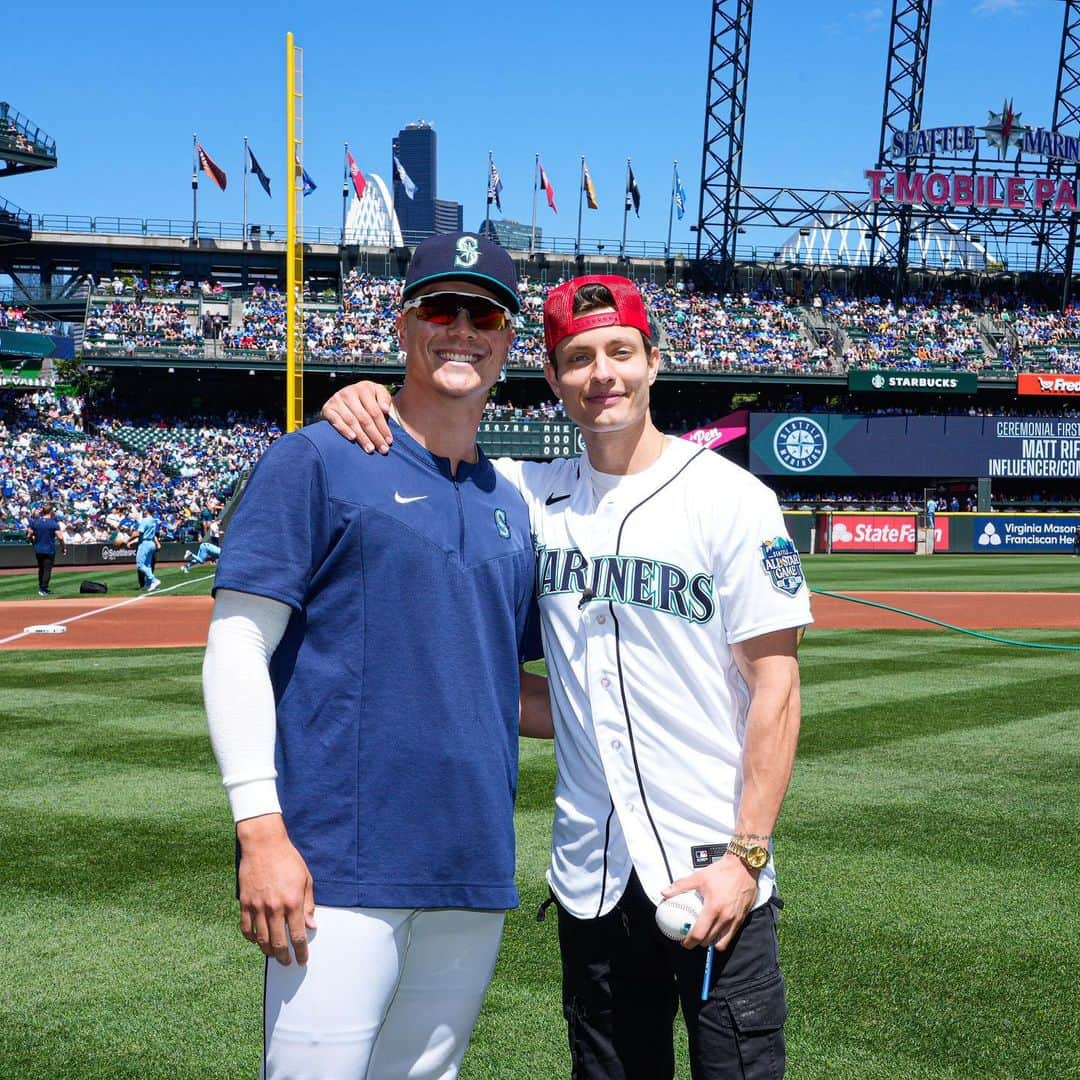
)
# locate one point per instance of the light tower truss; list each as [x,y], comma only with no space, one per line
[725,126]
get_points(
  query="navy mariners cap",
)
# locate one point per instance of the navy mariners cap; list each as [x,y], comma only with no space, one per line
[463,256]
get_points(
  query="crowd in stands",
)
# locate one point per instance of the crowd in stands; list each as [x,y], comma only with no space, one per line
[47,455]
[1053,337]
[757,332]
[142,324]
[14,317]
[914,334]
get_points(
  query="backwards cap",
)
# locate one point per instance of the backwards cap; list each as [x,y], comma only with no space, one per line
[560,321]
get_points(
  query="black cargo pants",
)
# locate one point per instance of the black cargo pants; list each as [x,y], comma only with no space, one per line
[623,983]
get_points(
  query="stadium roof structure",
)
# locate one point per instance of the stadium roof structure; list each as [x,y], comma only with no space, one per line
[371,221]
[839,239]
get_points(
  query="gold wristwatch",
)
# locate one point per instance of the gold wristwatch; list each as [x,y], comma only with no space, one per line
[753,855]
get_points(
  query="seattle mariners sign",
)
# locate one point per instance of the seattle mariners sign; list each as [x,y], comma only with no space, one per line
[1002,132]
[833,444]
[800,444]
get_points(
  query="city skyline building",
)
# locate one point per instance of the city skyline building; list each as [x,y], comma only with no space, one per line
[415,147]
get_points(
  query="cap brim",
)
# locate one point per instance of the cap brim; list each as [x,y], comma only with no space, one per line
[493,285]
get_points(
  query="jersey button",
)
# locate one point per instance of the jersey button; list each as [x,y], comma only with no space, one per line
[605,682]
[615,744]
[601,619]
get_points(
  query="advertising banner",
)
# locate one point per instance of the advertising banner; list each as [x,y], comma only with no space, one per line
[869,532]
[1034,533]
[918,382]
[835,444]
[1037,384]
[22,555]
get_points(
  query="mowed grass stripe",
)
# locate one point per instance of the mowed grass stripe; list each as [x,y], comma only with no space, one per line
[927,933]
[944,573]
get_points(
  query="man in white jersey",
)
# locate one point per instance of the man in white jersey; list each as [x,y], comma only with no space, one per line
[670,598]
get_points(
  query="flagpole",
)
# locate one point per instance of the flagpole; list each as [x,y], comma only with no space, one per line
[625,212]
[344,193]
[671,208]
[580,197]
[194,188]
[245,244]
[487,212]
[536,188]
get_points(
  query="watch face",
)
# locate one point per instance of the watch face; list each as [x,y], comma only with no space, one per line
[757,857]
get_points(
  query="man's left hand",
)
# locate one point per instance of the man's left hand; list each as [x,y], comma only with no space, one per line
[729,889]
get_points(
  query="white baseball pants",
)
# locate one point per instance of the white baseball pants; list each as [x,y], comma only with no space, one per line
[387,994]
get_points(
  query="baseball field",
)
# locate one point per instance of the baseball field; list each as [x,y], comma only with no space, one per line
[926,851]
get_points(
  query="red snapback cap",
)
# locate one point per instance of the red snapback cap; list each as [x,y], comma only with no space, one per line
[560,321]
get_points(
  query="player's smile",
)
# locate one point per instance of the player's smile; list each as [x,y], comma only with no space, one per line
[456,358]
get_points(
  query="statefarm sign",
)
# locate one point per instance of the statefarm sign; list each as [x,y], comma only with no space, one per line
[882,532]
[984,190]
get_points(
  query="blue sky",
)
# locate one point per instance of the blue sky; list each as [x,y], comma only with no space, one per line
[122,87]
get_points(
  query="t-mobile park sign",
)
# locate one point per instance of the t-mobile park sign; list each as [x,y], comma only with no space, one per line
[1003,132]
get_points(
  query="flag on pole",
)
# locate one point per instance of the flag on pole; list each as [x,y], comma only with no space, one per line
[208,166]
[403,176]
[633,195]
[358,180]
[309,185]
[547,189]
[494,194]
[680,196]
[257,169]
[590,191]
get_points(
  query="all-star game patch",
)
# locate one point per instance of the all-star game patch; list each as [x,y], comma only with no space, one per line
[781,562]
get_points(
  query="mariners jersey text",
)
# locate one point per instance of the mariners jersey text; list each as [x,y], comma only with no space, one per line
[626,579]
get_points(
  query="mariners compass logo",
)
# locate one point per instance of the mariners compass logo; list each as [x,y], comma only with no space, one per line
[1004,130]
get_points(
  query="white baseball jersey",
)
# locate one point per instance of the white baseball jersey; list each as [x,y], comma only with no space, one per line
[644,583]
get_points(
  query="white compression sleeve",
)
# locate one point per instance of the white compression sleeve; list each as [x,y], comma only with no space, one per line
[244,632]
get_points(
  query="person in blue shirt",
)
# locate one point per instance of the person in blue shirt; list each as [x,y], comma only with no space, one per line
[43,532]
[145,535]
[364,697]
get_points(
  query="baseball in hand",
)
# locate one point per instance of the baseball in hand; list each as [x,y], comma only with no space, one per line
[678,914]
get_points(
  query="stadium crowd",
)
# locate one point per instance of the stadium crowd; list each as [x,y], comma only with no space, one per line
[181,477]
[759,332]
[14,317]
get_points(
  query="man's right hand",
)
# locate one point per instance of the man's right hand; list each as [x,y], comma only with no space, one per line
[358,411]
[277,900]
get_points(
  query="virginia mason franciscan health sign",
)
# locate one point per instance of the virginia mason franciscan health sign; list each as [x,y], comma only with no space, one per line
[834,444]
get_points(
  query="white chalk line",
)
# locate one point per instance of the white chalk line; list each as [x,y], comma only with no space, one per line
[111,607]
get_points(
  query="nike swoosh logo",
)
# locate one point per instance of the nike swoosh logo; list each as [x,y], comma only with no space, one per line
[404,501]
[552,499]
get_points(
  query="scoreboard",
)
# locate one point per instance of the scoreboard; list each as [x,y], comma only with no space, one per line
[538,439]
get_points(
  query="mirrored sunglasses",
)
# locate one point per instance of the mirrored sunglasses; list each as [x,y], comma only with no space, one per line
[441,308]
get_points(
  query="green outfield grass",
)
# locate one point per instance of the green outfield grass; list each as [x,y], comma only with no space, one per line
[122,583]
[931,921]
[947,573]
[833,573]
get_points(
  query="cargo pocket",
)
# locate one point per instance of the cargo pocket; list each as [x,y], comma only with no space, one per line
[758,1017]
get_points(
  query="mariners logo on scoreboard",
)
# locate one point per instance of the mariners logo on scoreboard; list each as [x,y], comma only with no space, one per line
[782,564]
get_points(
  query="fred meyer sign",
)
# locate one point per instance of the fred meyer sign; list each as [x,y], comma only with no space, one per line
[918,382]
[1035,384]
[834,444]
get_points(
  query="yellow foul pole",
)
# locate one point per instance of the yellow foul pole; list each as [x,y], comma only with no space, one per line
[294,235]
